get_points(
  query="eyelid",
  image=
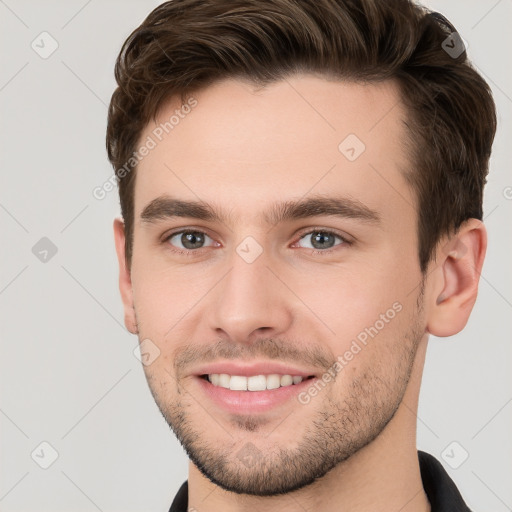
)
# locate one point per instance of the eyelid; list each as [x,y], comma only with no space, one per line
[189,252]
[189,229]
[315,229]
[346,239]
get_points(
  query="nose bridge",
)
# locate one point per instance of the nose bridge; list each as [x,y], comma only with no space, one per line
[249,298]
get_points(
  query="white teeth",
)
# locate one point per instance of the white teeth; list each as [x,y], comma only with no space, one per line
[257,383]
[253,383]
[238,383]
[224,379]
[273,381]
[287,380]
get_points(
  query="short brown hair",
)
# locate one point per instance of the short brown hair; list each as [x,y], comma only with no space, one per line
[185,45]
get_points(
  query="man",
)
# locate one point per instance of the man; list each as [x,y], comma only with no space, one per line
[301,190]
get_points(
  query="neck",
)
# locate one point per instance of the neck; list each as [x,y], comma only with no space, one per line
[384,475]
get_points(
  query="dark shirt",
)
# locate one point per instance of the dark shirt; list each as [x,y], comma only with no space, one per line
[439,488]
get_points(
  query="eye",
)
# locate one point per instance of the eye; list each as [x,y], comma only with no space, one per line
[189,240]
[321,240]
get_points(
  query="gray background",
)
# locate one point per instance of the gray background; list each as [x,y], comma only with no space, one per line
[69,376]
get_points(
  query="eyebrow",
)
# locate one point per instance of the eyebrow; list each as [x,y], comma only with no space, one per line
[166,207]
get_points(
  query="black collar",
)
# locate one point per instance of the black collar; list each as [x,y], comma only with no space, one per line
[439,488]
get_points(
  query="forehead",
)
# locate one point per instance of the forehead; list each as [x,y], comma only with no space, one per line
[243,146]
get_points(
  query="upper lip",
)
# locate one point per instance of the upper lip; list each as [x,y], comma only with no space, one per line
[254,368]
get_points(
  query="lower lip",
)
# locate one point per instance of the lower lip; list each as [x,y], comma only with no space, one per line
[249,402]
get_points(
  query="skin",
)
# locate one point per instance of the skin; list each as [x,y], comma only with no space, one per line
[242,149]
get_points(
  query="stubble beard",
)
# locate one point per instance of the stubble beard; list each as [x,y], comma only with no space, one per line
[345,419]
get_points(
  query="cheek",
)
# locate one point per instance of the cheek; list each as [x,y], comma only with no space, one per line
[359,304]
[344,298]
[161,298]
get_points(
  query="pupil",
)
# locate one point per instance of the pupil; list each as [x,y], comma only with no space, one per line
[192,240]
[322,240]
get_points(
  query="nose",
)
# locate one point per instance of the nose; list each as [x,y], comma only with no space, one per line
[250,302]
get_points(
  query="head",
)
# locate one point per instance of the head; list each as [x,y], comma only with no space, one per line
[300,183]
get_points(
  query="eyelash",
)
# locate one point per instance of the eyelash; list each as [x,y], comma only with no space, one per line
[194,252]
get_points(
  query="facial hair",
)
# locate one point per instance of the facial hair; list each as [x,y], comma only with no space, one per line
[348,418]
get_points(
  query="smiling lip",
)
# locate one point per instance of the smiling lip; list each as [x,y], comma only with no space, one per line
[251,402]
[258,368]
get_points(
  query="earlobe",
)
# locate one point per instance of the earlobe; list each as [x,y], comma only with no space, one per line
[459,264]
[125,282]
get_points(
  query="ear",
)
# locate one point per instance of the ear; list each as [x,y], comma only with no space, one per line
[459,261]
[125,282]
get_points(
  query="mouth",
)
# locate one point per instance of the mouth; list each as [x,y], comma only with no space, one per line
[253,394]
[253,383]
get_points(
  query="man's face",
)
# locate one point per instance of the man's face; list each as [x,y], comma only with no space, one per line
[272,288]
